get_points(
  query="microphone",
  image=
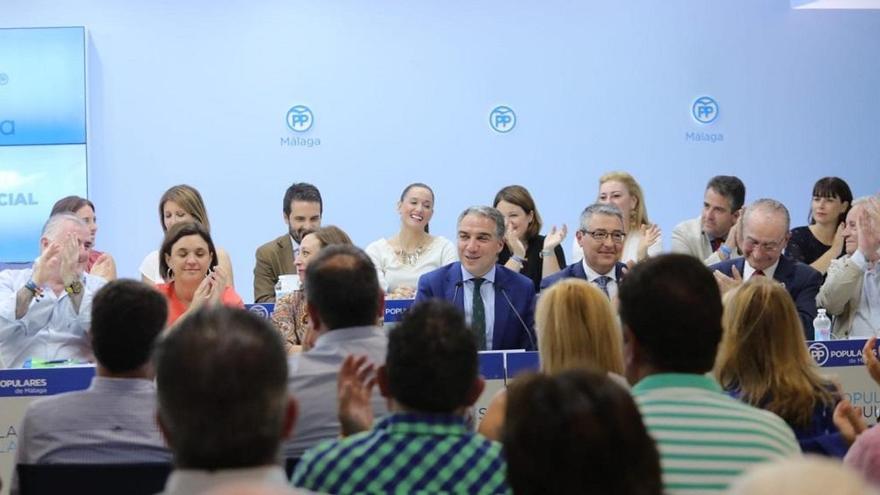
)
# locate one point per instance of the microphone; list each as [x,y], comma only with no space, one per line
[458,285]
[518,317]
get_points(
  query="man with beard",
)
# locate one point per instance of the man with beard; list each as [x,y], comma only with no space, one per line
[303,208]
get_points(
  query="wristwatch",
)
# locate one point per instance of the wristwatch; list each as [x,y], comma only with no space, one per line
[546,252]
[75,287]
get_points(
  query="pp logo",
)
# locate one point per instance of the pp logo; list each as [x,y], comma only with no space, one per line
[259,310]
[300,118]
[3,79]
[705,110]
[502,119]
[819,352]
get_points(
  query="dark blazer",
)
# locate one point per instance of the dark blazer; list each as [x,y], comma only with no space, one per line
[577,270]
[275,258]
[514,293]
[800,280]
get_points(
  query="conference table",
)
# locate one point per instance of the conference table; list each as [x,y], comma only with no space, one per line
[840,360]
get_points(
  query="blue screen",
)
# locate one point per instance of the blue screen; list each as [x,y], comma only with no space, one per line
[42,130]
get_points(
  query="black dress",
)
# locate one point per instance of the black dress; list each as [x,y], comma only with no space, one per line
[534,265]
[804,247]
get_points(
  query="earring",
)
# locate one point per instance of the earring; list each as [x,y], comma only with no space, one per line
[169,275]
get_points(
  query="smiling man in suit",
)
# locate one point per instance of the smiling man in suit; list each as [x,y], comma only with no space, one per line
[765,235]
[498,304]
[302,212]
[601,237]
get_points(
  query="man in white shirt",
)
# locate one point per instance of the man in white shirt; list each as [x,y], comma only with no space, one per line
[851,292]
[712,237]
[223,403]
[601,237]
[302,212]
[45,311]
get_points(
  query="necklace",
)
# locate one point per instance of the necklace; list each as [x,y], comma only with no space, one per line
[410,257]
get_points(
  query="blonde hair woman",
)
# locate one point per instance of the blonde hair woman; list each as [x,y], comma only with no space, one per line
[576,329]
[762,360]
[643,239]
[181,203]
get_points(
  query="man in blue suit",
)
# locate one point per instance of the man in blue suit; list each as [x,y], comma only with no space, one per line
[765,233]
[498,304]
[601,237]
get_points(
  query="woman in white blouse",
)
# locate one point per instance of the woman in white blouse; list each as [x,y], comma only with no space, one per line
[643,239]
[400,260]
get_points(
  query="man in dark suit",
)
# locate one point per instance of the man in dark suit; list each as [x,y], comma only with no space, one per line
[601,237]
[303,208]
[765,233]
[498,303]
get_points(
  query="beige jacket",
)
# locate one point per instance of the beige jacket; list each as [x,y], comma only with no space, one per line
[841,293]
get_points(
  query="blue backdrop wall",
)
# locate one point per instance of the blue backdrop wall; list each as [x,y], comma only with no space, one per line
[198,92]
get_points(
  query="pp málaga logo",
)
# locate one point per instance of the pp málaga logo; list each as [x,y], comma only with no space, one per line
[705,110]
[300,118]
[820,353]
[502,119]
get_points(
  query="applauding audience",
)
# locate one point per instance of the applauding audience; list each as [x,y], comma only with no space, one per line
[193,277]
[525,249]
[181,204]
[643,239]
[100,264]
[851,292]
[430,378]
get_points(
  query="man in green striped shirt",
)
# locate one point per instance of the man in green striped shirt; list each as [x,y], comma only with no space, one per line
[431,379]
[670,308]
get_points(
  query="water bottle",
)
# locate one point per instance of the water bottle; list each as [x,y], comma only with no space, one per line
[822,326]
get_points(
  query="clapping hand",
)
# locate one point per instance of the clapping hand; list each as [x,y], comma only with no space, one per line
[48,265]
[555,237]
[650,235]
[726,283]
[354,388]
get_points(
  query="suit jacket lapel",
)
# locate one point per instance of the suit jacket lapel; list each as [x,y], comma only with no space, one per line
[784,271]
[502,309]
[453,289]
[285,255]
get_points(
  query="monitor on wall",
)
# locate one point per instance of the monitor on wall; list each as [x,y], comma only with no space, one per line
[42,131]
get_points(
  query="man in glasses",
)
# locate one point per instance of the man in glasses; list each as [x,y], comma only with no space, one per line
[764,236]
[601,237]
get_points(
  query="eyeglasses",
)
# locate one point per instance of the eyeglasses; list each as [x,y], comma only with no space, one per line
[767,247]
[600,235]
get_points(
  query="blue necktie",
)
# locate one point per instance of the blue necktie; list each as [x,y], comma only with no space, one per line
[602,282]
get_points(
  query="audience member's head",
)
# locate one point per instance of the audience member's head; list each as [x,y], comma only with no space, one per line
[765,234]
[722,205]
[312,242]
[480,238]
[577,329]
[836,195]
[303,208]
[342,288]
[222,389]
[670,309]
[185,245]
[851,227]
[601,236]
[182,203]
[623,191]
[763,355]
[577,432]
[59,227]
[518,207]
[811,475]
[82,208]
[127,317]
[431,365]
